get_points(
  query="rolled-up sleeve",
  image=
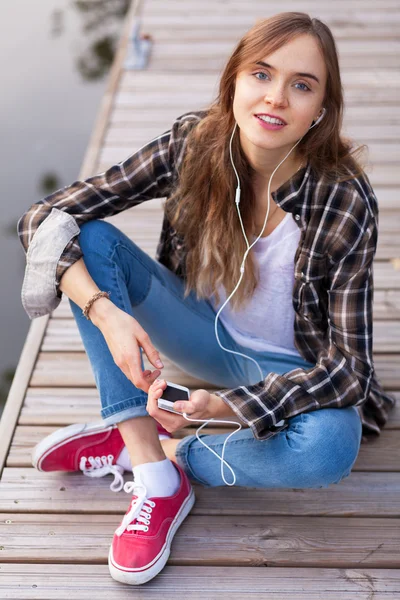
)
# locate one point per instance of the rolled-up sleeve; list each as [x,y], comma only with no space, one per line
[49,229]
[344,370]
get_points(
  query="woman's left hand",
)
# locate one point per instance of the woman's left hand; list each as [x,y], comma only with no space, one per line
[197,407]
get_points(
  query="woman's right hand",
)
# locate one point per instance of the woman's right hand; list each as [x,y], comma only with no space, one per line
[124,336]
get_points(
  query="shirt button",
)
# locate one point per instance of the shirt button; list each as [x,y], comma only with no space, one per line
[297,217]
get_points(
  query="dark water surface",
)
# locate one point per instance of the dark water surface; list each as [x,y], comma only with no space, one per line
[54,59]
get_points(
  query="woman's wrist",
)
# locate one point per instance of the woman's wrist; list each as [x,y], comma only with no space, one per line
[99,310]
[219,408]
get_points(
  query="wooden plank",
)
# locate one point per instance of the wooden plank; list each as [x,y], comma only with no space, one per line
[218,50]
[381,139]
[62,369]
[379,174]
[171,59]
[142,224]
[73,369]
[379,156]
[388,246]
[386,366]
[364,494]
[377,454]
[386,306]
[388,249]
[282,541]
[62,335]
[63,406]
[212,57]
[125,141]
[157,20]
[76,582]
[176,84]
[26,438]
[19,385]
[186,101]
[177,6]
[125,117]
[386,275]
[194,31]
[235,6]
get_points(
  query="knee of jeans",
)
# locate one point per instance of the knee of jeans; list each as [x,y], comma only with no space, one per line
[332,440]
[96,234]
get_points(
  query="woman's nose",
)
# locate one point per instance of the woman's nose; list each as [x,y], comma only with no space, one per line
[276,96]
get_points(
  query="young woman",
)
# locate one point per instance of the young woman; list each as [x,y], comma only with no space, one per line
[303,311]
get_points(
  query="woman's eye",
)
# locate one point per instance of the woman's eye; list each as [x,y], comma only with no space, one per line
[307,89]
[304,89]
[259,73]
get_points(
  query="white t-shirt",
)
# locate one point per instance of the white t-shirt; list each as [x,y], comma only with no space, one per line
[267,321]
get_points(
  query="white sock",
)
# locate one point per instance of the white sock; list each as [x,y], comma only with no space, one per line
[124,459]
[160,478]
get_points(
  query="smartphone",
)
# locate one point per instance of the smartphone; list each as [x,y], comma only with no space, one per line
[172,393]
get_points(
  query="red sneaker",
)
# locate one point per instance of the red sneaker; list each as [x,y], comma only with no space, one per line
[92,448]
[142,543]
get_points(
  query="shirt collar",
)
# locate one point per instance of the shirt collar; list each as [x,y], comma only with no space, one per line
[288,196]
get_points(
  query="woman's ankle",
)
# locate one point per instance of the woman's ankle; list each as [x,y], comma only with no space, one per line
[169,447]
[141,439]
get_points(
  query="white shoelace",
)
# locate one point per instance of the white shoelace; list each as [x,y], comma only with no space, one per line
[140,509]
[103,465]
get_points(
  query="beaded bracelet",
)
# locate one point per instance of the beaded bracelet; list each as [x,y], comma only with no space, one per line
[89,303]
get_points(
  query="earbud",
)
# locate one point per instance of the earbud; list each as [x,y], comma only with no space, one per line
[319,118]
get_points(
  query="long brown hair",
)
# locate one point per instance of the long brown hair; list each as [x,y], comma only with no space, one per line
[202,209]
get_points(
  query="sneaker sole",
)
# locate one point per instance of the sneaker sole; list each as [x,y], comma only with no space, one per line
[59,437]
[146,573]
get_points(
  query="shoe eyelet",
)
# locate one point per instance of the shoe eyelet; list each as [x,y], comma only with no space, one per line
[149,516]
[146,529]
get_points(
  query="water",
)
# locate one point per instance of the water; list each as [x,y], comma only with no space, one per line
[54,59]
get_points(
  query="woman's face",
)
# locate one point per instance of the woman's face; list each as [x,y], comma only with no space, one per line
[279,90]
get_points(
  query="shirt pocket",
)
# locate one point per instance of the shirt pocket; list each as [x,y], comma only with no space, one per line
[310,294]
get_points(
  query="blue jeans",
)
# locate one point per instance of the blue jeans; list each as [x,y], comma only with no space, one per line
[316,449]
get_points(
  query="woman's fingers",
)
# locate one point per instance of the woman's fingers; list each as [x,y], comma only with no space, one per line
[151,353]
[167,419]
[141,379]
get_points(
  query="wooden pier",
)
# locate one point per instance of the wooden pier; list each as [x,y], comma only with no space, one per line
[342,542]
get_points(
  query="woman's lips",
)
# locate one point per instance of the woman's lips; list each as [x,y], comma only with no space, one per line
[270,126]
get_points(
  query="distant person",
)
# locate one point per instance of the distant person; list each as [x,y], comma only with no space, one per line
[302,315]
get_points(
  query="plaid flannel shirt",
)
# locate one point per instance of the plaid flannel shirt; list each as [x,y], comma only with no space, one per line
[333,266]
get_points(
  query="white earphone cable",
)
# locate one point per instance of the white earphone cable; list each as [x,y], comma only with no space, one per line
[237,201]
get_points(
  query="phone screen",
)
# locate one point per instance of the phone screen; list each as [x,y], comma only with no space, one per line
[173,394]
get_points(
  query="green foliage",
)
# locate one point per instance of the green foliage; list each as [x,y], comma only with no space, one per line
[49,182]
